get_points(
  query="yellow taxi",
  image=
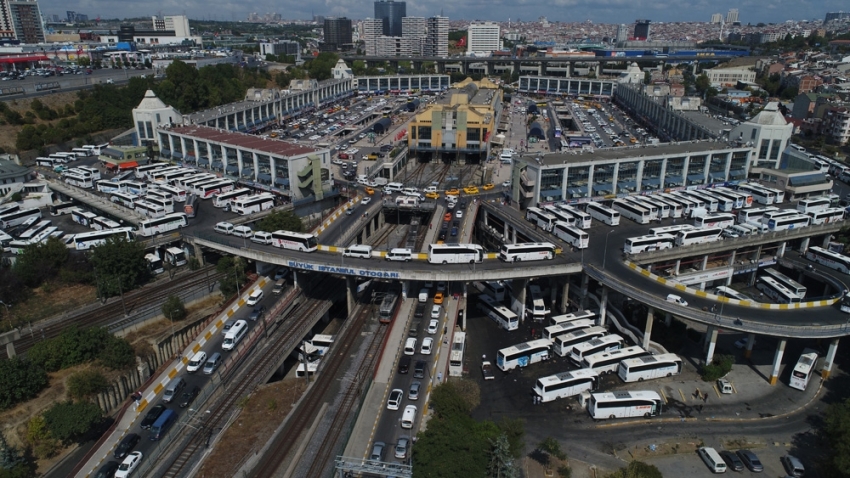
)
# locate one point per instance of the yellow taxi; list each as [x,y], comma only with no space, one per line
[453,192]
[470,190]
[438,298]
[488,186]
[369,190]
[632,140]
[432,195]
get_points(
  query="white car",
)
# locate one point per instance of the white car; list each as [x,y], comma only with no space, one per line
[396,396]
[459,213]
[677,300]
[427,344]
[436,311]
[507,183]
[366,200]
[433,325]
[128,465]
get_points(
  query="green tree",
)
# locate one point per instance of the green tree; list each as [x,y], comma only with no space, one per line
[637,469]
[502,464]
[173,308]
[117,354]
[84,61]
[43,444]
[86,383]
[281,220]
[41,262]
[71,421]
[234,275]
[702,83]
[514,430]
[837,430]
[119,265]
[9,455]
[719,367]
[20,380]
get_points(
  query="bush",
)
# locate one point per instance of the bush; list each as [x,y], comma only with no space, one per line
[86,383]
[75,346]
[20,380]
[70,421]
[173,308]
[117,354]
[719,367]
[637,469]
[39,438]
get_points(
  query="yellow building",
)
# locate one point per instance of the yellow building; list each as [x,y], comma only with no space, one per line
[459,125]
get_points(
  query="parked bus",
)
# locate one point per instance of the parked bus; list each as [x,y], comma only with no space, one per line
[560,215]
[738,198]
[109,187]
[804,370]
[571,235]
[456,354]
[729,292]
[167,223]
[698,236]
[78,180]
[223,200]
[386,311]
[502,315]
[776,291]
[583,219]
[295,240]
[603,214]
[81,152]
[624,404]
[494,289]
[779,214]
[760,195]
[572,316]
[125,199]
[63,208]
[830,259]
[165,204]
[563,344]
[650,366]
[607,362]
[709,202]
[651,242]
[11,218]
[188,182]
[676,209]
[654,211]
[754,215]
[176,256]
[672,230]
[663,209]
[631,211]
[208,190]
[141,171]
[524,354]
[827,216]
[541,218]
[791,284]
[715,220]
[154,263]
[48,162]
[566,384]
[87,240]
[252,204]
[686,205]
[33,230]
[552,332]
[814,204]
[528,251]
[177,194]
[538,309]
[93,173]
[692,203]
[455,253]
[149,209]
[135,187]
[606,343]
[724,204]
[789,222]
[83,218]
[192,205]
[5,241]
[100,223]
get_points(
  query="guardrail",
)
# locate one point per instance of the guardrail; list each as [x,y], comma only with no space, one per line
[53,85]
[15,90]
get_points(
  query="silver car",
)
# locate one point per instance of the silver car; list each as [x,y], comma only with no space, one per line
[401,448]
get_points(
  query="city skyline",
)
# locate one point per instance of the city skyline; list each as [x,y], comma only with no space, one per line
[598,11]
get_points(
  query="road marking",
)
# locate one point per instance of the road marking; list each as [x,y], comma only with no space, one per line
[684,400]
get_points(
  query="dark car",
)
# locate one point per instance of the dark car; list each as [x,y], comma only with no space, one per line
[126,446]
[454,232]
[750,460]
[258,312]
[386,147]
[732,460]
[442,236]
[462,204]
[420,309]
[404,364]
[228,324]
[419,369]
[107,470]
[188,396]
[152,415]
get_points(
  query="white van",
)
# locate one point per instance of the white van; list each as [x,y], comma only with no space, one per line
[712,459]
[393,187]
[408,417]
[242,231]
[223,228]
[255,297]
[197,362]
[423,295]
[399,255]
[262,237]
[234,335]
[359,250]
[410,346]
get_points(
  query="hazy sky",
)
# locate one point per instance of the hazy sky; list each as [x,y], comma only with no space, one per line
[599,11]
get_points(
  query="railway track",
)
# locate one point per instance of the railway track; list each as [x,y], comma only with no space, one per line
[414,175]
[219,415]
[380,239]
[106,314]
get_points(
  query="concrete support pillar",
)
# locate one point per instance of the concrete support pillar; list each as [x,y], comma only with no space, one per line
[710,342]
[199,253]
[704,262]
[405,288]
[826,240]
[780,251]
[676,267]
[804,244]
[668,319]
[294,278]
[565,297]
[603,306]
[647,332]
[748,350]
[830,358]
[585,279]
[777,360]
[350,294]
[518,300]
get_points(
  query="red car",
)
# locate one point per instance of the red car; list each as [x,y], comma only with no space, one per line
[343,155]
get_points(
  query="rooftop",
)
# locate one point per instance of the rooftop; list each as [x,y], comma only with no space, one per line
[10,169]
[635,152]
[245,141]
[708,122]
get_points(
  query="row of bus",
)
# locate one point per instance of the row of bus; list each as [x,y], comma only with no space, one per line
[564,222]
[57,159]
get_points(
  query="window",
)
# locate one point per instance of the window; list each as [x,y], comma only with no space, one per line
[753,134]
[774,149]
[765,144]
[157,119]
[140,125]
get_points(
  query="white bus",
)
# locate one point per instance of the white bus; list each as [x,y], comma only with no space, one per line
[776,291]
[649,367]
[813,204]
[166,176]
[672,230]
[566,384]
[603,214]
[166,204]
[100,223]
[528,251]
[108,187]
[186,182]
[456,354]
[738,198]
[142,170]
[505,317]
[788,222]
[662,207]
[651,242]
[676,209]
[560,215]
[5,241]
[572,316]
[606,343]
[788,282]
[149,209]
[722,221]
[48,162]
[78,180]
[583,219]
[654,211]
[455,253]
[494,289]
[729,292]
[83,218]
[13,218]
[538,310]
[135,187]
[33,230]
[631,211]
[63,208]
[177,194]
[176,256]
[759,194]
[724,204]
[571,235]
[803,370]
[154,263]
[252,204]
[125,199]
[523,355]
[779,214]
[754,215]
[698,236]
[552,332]
[208,190]
[87,240]
[624,404]
[93,173]
[295,240]
[224,199]
[167,223]
[830,259]
[563,344]
[692,203]
[607,362]
[542,218]
[709,202]
[827,216]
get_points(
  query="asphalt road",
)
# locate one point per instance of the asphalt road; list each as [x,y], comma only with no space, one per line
[70,82]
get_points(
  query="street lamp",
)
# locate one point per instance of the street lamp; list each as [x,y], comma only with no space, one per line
[605,254]
[9,315]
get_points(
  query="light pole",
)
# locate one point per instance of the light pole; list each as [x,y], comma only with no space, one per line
[605,254]
[9,316]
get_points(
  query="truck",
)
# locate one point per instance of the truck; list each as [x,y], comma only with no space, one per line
[487,370]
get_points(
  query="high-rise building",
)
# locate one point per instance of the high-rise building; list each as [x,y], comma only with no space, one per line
[836,16]
[391,13]
[21,19]
[622,33]
[437,38]
[370,30]
[483,37]
[337,34]
[732,16]
[414,30]
[642,30]
[179,24]
[717,18]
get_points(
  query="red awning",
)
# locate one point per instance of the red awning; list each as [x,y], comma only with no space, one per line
[21,59]
[128,165]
